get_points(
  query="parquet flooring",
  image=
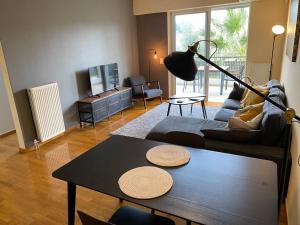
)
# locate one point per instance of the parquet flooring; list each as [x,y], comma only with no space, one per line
[29,195]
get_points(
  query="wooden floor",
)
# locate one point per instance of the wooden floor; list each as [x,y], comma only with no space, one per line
[29,195]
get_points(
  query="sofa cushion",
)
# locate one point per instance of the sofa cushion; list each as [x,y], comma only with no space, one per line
[273,122]
[237,92]
[152,93]
[276,92]
[232,104]
[275,84]
[273,153]
[224,114]
[185,125]
[232,135]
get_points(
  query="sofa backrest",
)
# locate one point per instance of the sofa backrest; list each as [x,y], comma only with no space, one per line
[273,122]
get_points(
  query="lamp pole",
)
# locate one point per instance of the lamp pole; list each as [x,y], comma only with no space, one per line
[277,30]
[149,62]
[274,38]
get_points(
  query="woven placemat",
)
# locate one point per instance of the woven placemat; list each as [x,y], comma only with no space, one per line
[145,182]
[168,155]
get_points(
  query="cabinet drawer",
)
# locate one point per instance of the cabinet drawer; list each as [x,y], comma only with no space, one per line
[100,114]
[126,102]
[113,99]
[126,94]
[113,108]
[100,104]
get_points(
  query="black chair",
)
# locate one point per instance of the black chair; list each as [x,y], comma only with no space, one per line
[145,90]
[238,73]
[127,216]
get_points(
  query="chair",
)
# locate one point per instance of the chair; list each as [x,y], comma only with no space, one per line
[239,74]
[144,90]
[127,216]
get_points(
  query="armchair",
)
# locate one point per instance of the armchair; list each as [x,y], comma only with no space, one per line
[145,90]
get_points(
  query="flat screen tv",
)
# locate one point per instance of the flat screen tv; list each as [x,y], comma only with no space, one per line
[110,76]
[96,80]
[104,78]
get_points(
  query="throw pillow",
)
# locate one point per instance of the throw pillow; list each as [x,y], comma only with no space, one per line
[249,112]
[251,98]
[237,123]
[237,92]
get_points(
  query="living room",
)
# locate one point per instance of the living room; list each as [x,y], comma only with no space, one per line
[60,42]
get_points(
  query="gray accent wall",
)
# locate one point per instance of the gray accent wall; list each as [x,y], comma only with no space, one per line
[152,31]
[56,41]
[6,121]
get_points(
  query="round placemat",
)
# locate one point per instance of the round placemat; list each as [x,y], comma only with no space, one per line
[145,182]
[168,155]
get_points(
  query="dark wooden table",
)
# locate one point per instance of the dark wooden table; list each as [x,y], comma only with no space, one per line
[213,188]
[180,101]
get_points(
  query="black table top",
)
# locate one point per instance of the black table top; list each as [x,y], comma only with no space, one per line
[213,188]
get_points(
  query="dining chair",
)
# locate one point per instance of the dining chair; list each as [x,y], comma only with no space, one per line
[127,216]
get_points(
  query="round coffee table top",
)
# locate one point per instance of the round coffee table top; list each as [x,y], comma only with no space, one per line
[187,95]
[185,101]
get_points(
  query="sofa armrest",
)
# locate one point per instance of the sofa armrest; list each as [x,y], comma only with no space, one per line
[186,139]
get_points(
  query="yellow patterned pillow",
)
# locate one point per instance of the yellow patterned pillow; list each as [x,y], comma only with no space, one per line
[249,112]
[251,98]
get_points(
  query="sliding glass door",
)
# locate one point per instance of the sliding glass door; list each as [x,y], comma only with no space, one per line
[190,28]
[228,27]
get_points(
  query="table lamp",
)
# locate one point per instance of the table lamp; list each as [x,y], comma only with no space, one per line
[277,30]
[182,65]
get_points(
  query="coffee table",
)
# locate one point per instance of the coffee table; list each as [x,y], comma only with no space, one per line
[213,188]
[187,101]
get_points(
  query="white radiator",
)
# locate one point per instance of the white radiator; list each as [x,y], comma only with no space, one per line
[46,111]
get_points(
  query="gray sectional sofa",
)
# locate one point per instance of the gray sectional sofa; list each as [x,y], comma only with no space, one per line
[268,142]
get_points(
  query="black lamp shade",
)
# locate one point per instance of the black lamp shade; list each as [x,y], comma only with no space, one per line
[182,65]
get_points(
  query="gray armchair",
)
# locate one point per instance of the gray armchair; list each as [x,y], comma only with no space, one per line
[145,90]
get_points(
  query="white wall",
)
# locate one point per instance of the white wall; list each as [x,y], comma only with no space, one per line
[290,77]
[6,121]
[264,14]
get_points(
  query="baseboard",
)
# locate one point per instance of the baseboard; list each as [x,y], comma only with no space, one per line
[32,148]
[7,133]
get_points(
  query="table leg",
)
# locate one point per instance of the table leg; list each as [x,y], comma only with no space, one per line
[169,107]
[203,110]
[192,108]
[180,110]
[71,203]
[222,83]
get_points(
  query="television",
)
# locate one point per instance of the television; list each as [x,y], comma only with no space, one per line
[104,78]
[111,76]
[96,80]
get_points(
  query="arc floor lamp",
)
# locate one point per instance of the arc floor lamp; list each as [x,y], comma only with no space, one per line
[183,65]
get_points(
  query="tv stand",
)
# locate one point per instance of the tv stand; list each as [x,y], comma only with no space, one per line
[97,108]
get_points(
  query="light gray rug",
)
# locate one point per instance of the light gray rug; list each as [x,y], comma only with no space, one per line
[142,125]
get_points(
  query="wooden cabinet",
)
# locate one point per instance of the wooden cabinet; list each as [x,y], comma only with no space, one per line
[95,109]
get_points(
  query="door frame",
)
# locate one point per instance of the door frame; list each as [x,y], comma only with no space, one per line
[172,38]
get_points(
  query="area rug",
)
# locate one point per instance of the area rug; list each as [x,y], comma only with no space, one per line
[141,126]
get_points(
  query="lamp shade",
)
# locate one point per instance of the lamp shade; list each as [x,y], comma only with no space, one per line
[182,65]
[278,29]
